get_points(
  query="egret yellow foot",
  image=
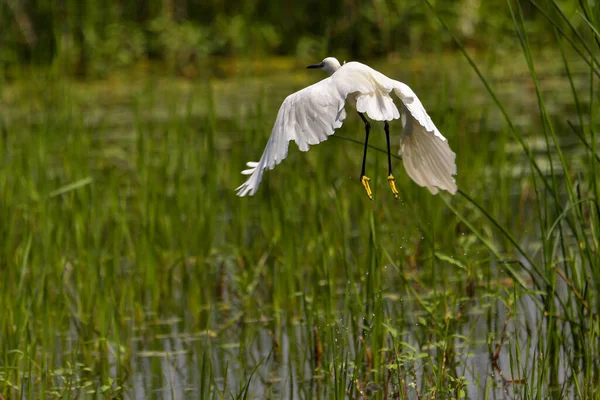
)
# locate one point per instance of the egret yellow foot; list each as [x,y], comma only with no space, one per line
[392,182]
[365,182]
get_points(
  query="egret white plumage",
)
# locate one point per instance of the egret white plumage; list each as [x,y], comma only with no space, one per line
[312,114]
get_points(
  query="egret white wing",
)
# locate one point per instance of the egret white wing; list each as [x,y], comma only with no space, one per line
[370,89]
[307,117]
[426,154]
[415,107]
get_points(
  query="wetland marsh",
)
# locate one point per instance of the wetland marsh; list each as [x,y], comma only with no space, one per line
[129,268]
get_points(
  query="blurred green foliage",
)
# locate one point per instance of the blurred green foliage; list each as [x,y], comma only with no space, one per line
[92,37]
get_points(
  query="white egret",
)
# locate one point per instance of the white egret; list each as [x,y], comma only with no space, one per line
[310,115]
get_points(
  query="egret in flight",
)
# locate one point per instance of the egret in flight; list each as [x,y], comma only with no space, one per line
[310,115]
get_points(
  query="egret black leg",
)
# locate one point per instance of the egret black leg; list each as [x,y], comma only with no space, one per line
[386,128]
[363,179]
[391,179]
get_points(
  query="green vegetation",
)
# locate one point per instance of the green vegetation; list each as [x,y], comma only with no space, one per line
[93,38]
[129,268]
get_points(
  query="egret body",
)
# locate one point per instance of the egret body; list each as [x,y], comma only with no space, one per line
[310,115]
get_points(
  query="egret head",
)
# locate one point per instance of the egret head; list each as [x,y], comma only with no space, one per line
[330,65]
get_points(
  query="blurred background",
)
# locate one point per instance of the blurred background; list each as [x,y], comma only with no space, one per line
[130,269]
[91,38]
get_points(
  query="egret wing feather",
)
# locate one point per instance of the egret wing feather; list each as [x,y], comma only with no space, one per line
[370,88]
[307,117]
[427,159]
[415,108]
[426,154]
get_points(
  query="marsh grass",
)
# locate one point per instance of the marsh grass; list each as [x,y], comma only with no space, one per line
[129,268]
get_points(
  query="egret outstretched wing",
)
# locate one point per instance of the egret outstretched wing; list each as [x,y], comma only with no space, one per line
[307,117]
[426,154]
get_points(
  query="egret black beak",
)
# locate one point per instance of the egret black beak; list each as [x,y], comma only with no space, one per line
[319,65]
